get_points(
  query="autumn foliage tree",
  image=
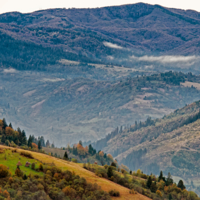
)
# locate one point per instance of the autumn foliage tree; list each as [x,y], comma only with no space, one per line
[35,146]
[110,156]
[101,153]
[3,171]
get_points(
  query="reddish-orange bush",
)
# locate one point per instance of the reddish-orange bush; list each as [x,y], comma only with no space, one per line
[101,153]
[6,194]
[10,180]
[56,176]
[35,146]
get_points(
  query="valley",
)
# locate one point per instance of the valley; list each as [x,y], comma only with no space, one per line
[122,78]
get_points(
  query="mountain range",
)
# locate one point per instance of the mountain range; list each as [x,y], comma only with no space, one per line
[121,35]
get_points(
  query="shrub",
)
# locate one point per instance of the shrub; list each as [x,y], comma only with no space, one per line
[114,193]
[110,172]
[18,172]
[3,171]
[158,192]
[106,166]
[24,177]
[101,172]
[41,167]
[132,191]
[6,194]
[113,164]
[10,180]
[40,186]
[69,191]
[33,166]
[12,144]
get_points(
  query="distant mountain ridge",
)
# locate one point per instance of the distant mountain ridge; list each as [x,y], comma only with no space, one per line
[140,27]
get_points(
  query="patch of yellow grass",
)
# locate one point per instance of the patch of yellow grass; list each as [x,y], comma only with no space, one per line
[105,184]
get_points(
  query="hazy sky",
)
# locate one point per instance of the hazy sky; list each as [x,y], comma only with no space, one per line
[32,5]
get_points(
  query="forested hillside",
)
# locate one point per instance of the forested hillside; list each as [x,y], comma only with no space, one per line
[168,144]
[72,109]
[31,175]
[130,35]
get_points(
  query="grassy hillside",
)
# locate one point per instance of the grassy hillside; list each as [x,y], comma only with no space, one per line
[105,184]
[158,188]
[10,158]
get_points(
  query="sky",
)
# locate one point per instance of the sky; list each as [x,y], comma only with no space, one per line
[26,6]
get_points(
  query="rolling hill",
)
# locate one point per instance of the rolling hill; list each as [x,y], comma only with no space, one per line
[106,185]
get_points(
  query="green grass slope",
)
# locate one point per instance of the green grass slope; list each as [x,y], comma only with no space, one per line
[10,159]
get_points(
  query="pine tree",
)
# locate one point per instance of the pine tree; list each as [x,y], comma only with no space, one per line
[24,177]
[4,124]
[170,197]
[24,139]
[47,143]
[39,145]
[181,185]
[10,125]
[65,156]
[153,187]
[120,129]
[30,140]
[110,172]
[90,150]
[42,141]
[149,182]
[3,139]
[161,176]
[169,180]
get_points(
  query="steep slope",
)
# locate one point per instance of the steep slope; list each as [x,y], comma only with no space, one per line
[169,144]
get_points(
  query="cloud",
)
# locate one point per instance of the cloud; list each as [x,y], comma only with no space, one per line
[53,79]
[167,59]
[111,45]
[110,57]
[10,70]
